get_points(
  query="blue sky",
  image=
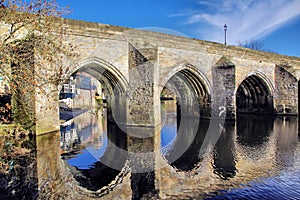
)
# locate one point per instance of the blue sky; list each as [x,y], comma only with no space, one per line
[275,22]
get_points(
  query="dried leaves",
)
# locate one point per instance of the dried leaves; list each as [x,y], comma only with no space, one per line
[14,141]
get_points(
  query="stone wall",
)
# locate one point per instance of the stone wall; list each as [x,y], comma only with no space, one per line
[286,92]
[141,91]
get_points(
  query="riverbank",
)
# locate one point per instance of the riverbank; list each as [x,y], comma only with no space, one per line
[18,173]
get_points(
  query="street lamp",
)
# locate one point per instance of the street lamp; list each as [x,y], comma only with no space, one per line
[225,29]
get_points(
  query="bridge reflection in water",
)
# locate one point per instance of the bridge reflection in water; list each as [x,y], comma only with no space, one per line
[85,144]
[256,156]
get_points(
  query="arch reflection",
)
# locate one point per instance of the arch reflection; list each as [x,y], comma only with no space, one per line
[189,136]
[90,146]
[182,138]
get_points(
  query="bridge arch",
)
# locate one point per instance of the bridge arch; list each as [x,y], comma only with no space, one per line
[100,69]
[192,91]
[192,70]
[189,84]
[113,82]
[254,94]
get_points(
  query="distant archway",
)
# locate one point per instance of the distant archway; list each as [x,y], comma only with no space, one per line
[254,95]
[113,83]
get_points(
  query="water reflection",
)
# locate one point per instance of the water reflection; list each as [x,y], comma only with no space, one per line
[191,134]
[169,121]
[260,152]
[268,159]
[254,130]
[83,131]
[224,155]
[89,145]
[181,144]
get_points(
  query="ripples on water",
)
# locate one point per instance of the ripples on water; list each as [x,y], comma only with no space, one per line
[256,157]
[283,186]
[283,179]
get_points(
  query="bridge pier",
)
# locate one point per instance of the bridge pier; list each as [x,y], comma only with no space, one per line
[143,120]
[223,103]
[286,92]
[47,110]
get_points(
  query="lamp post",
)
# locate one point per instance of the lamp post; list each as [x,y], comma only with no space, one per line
[225,29]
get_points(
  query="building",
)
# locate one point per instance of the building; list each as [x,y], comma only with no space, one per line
[80,91]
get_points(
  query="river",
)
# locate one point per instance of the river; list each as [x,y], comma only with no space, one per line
[254,157]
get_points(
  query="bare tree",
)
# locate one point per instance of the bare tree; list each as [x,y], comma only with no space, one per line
[32,47]
[252,44]
[255,45]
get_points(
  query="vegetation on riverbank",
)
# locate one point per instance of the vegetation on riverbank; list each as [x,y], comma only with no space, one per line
[18,177]
[32,50]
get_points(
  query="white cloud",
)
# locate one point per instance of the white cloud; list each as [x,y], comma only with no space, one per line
[246,19]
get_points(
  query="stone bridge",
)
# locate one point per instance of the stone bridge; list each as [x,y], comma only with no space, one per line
[135,67]
[209,79]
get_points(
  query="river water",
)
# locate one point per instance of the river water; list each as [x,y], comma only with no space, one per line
[255,157]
